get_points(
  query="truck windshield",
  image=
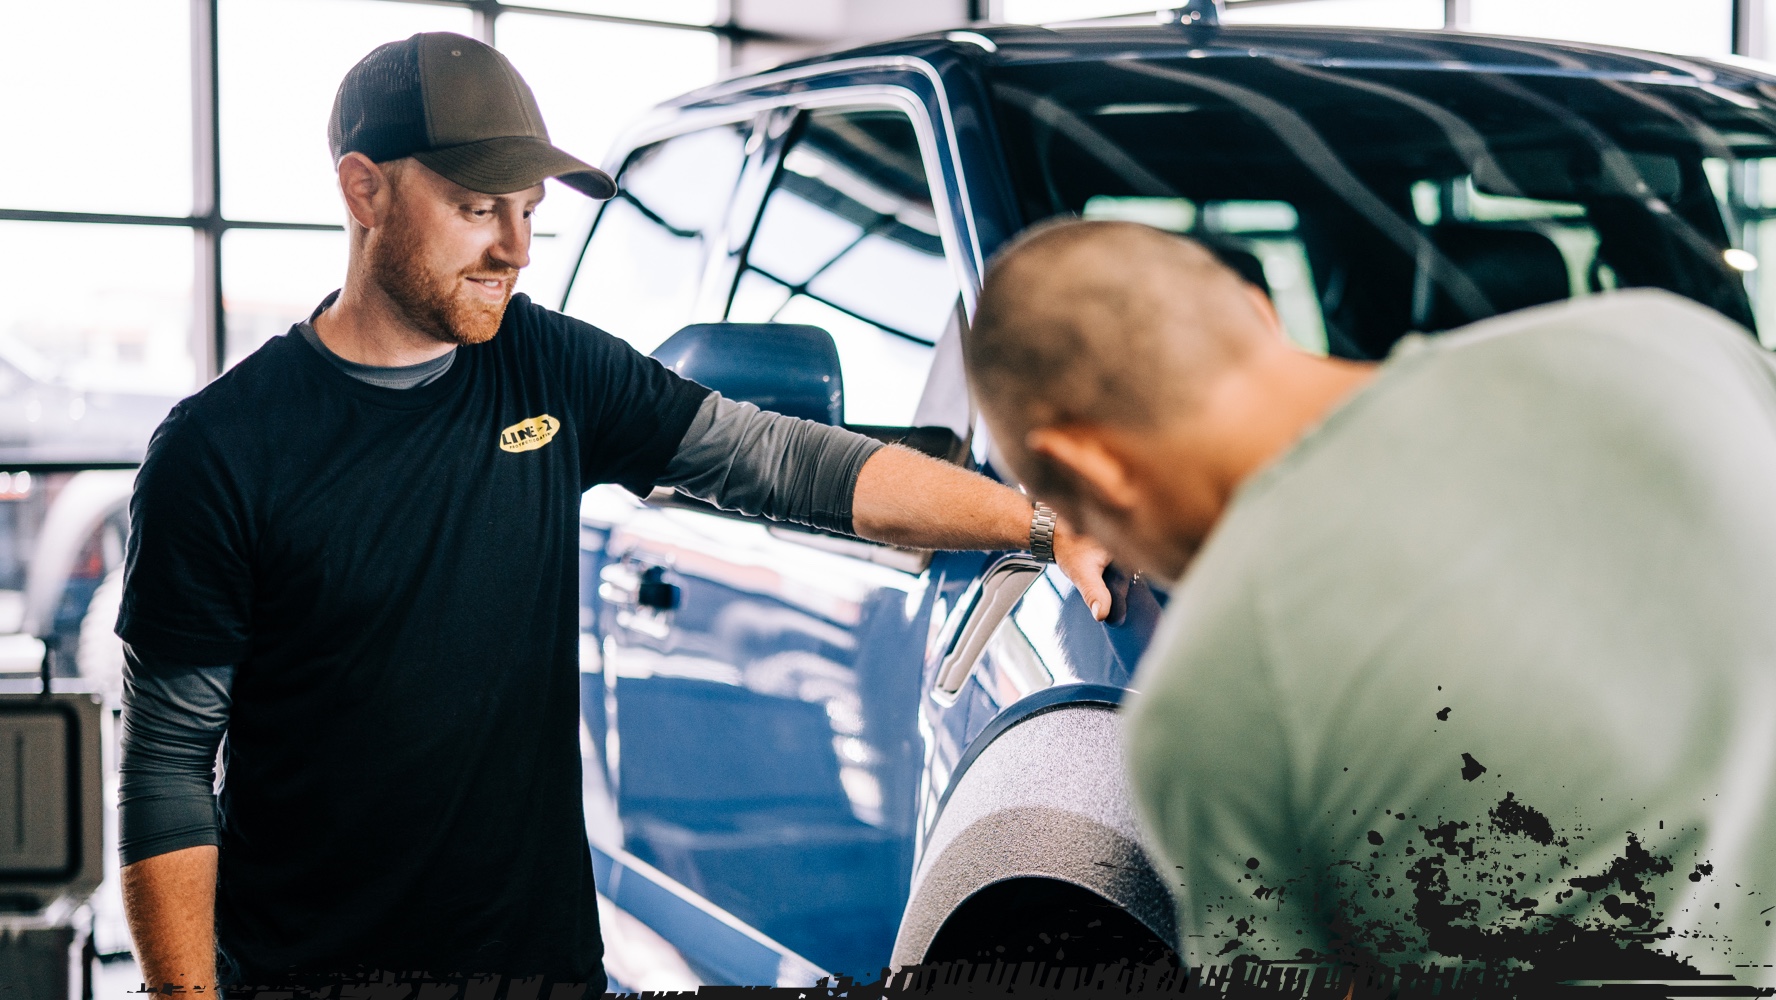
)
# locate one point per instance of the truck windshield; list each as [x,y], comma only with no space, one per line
[1373,202]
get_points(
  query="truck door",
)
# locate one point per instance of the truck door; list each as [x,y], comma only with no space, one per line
[767,679]
[641,276]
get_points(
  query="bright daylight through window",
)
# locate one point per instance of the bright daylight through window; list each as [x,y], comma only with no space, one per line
[112,218]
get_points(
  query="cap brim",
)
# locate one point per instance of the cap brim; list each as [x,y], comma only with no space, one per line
[513,163]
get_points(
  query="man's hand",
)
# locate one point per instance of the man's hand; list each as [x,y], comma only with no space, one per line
[170,900]
[1084,561]
[905,498]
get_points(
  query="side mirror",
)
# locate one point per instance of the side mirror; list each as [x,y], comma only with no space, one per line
[789,368]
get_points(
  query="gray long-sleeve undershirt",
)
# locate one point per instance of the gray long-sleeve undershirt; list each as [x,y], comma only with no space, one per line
[174,716]
[733,455]
[741,458]
[389,377]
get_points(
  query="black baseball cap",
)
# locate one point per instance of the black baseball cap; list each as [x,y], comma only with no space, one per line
[457,106]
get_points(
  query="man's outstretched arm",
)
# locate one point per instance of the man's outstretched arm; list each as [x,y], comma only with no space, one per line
[739,457]
[906,498]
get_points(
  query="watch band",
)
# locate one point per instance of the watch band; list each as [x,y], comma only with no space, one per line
[1042,533]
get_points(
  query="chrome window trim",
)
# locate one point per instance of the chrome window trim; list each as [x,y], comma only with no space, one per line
[895,98]
[664,127]
[669,120]
[613,164]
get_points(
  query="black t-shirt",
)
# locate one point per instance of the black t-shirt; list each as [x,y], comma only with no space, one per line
[395,573]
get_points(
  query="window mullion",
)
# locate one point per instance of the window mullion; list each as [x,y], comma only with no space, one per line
[209,335]
[486,14]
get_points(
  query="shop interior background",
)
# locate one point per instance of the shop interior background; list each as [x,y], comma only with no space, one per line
[168,201]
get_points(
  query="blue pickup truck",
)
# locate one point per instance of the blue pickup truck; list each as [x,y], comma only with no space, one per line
[807,753]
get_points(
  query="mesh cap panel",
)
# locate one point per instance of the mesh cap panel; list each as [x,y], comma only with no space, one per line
[380,108]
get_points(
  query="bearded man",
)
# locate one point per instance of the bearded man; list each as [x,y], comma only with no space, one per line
[357,554]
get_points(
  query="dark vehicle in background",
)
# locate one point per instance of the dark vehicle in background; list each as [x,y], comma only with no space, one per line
[811,752]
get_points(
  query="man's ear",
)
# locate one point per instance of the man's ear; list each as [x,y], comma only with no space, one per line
[365,187]
[1090,455]
[1265,308]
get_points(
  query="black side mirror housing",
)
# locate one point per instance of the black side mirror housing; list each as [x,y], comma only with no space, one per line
[788,368]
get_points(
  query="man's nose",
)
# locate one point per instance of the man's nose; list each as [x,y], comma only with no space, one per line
[513,246]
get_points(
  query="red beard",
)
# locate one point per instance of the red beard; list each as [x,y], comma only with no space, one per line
[435,304]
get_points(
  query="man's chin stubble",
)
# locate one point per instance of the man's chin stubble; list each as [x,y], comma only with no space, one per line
[450,319]
[467,324]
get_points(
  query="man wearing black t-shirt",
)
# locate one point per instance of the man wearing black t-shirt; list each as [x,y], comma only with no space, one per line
[356,552]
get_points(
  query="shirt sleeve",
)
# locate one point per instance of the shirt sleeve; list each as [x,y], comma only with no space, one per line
[174,717]
[631,410]
[188,585]
[739,457]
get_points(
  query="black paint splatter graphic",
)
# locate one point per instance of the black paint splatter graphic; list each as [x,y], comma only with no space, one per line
[1442,837]
[1497,904]
[1513,817]
[1628,873]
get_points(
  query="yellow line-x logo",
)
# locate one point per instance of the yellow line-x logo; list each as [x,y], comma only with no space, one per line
[529,434]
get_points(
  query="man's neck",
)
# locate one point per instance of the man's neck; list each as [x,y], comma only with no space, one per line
[365,326]
[1267,405]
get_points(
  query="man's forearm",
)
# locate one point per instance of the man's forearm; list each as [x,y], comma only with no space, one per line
[905,498]
[170,901]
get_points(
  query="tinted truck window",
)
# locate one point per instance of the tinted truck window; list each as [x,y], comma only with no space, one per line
[848,241]
[641,270]
[1379,200]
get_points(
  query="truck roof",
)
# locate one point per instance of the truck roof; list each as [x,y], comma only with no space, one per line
[1325,47]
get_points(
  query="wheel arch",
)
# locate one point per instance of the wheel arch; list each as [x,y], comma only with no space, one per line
[1047,799]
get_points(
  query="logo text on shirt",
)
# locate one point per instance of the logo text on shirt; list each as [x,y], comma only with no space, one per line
[529,434]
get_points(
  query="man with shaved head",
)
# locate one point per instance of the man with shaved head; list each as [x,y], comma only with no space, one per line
[1468,659]
[1126,329]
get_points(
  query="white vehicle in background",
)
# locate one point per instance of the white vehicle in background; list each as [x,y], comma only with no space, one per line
[67,453]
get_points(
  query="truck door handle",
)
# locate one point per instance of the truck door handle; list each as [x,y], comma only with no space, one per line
[654,592]
[979,615]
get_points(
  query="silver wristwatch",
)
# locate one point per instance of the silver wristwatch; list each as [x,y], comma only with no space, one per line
[1042,533]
